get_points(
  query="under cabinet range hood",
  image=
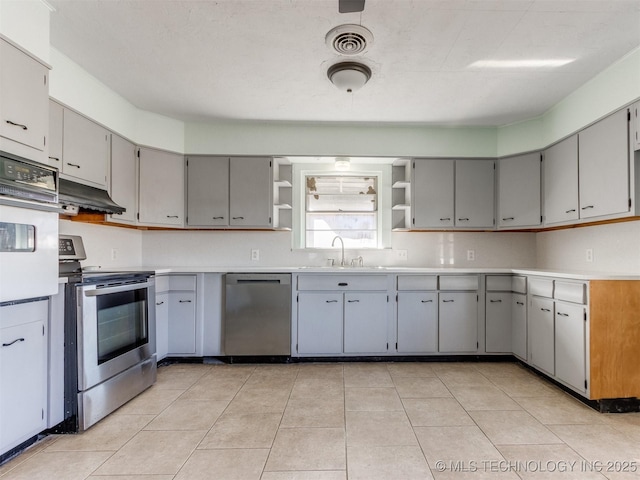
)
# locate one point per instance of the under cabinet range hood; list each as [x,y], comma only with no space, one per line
[76,196]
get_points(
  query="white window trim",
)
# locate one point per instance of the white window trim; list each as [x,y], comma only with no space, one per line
[383,174]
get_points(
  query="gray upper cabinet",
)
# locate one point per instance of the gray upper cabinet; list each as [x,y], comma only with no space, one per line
[161,193]
[56,120]
[250,190]
[561,182]
[24,97]
[604,167]
[433,195]
[229,192]
[85,150]
[519,191]
[124,179]
[635,114]
[207,191]
[475,197]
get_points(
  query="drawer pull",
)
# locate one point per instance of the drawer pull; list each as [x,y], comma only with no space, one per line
[426,301]
[331,301]
[184,301]
[508,219]
[343,284]
[353,301]
[570,211]
[218,218]
[520,303]
[73,165]
[237,218]
[463,219]
[495,301]
[172,216]
[563,314]
[159,303]
[24,127]
[545,309]
[588,206]
[447,219]
[448,301]
[54,158]
[11,343]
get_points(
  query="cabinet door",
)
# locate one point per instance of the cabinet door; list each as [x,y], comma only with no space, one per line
[417,322]
[498,323]
[85,149]
[161,194]
[365,322]
[561,182]
[207,191]
[23,383]
[124,179]
[458,322]
[635,114]
[541,334]
[182,323]
[56,118]
[519,191]
[320,323]
[432,190]
[519,325]
[604,167]
[24,98]
[162,325]
[250,191]
[570,344]
[475,193]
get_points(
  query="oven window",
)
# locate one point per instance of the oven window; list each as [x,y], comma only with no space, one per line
[17,237]
[122,323]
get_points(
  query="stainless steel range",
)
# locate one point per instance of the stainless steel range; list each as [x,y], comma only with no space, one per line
[109,337]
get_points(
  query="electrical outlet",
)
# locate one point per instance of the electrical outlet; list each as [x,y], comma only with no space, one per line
[114,253]
[471,255]
[588,255]
[255,254]
[401,255]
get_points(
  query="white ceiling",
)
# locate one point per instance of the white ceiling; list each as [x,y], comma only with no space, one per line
[267,59]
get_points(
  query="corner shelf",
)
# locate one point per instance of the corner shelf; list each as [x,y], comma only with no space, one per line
[401,195]
[282,194]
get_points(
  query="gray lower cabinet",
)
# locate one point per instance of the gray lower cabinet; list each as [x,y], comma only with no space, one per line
[162,325]
[570,343]
[182,323]
[417,322]
[541,334]
[365,322]
[458,322]
[498,322]
[320,323]
[519,325]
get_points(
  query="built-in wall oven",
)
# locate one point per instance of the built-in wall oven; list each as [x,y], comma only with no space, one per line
[109,338]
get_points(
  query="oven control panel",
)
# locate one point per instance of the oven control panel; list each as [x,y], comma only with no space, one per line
[70,247]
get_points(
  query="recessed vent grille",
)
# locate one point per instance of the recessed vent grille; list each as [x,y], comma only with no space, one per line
[349,39]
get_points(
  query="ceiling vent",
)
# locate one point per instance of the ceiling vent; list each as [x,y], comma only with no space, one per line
[349,39]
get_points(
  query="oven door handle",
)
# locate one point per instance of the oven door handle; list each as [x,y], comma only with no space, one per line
[120,288]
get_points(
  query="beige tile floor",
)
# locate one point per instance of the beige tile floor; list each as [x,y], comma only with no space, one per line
[344,421]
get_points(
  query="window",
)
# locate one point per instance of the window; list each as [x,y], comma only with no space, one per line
[344,205]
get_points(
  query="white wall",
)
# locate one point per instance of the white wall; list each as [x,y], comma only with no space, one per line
[425,249]
[26,22]
[616,248]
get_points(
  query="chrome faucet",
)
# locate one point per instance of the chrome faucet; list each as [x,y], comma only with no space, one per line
[338,237]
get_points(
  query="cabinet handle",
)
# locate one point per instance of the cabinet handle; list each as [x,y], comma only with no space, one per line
[24,127]
[353,301]
[562,314]
[218,218]
[463,219]
[237,218]
[184,301]
[447,219]
[570,211]
[159,303]
[588,206]
[73,165]
[16,340]
[519,303]
[331,301]
[426,301]
[343,284]
[508,219]
[172,216]
[54,158]
[545,309]
[448,301]
[495,301]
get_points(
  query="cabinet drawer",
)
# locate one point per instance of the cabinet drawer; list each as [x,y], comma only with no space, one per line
[342,282]
[182,282]
[162,283]
[541,287]
[417,282]
[498,283]
[458,282]
[519,284]
[570,292]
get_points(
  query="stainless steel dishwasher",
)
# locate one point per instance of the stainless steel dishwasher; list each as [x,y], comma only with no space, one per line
[257,314]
